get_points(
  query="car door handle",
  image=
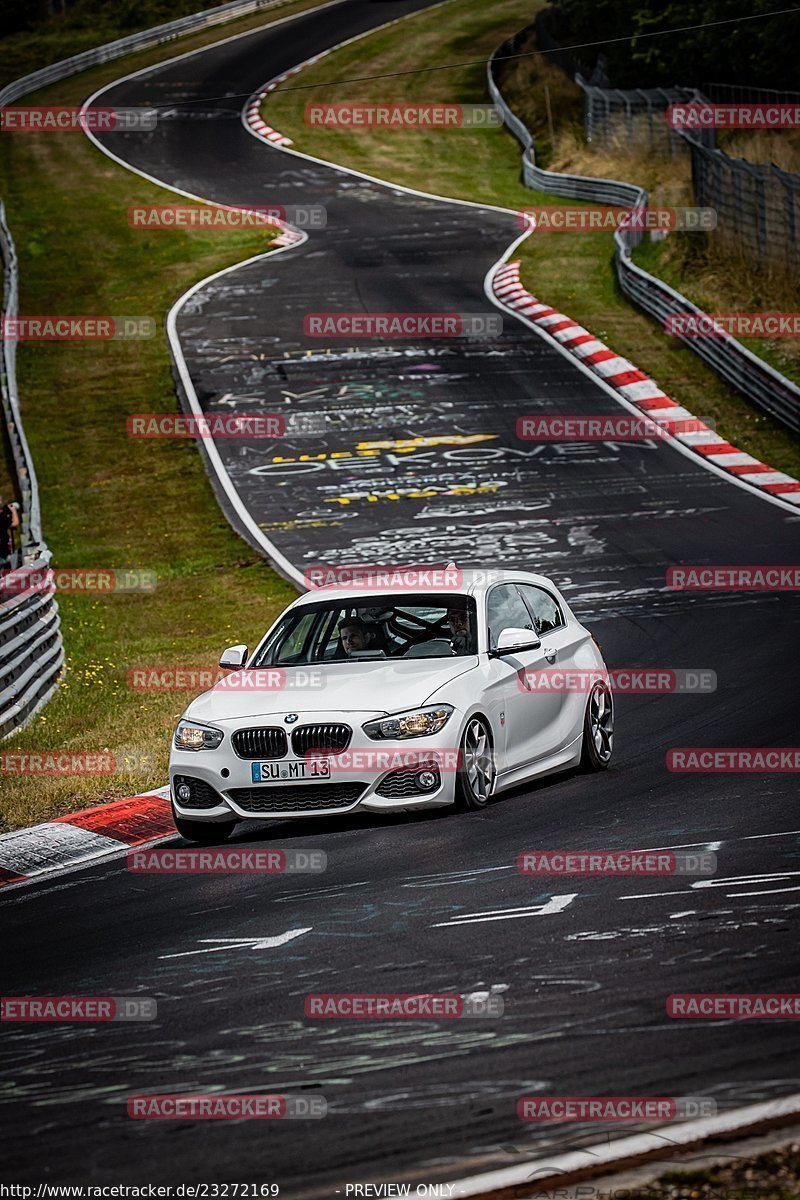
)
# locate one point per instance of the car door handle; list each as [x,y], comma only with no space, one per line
[551,655]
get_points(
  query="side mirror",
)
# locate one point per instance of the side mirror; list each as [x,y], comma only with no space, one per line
[234,658]
[513,641]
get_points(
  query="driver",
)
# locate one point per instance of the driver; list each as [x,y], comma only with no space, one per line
[460,625]
[355,634]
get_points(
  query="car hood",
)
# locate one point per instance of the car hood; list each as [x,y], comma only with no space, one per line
[373,688]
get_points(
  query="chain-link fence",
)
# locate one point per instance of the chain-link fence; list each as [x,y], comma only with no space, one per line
[636,118]
[745,371]
[757,204]
[737,93]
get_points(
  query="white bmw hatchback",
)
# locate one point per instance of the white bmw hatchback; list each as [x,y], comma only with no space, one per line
[378,699]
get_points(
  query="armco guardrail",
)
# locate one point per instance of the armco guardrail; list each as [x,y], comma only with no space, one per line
[134,41]
[31,646]
[757,204]
[20,454]
[737,365]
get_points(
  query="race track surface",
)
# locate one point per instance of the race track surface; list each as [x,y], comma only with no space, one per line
[399,907]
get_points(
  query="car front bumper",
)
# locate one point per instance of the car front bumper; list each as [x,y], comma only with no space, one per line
[369,776]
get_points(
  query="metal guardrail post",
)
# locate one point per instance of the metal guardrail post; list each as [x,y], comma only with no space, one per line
[31,644]
[732,361]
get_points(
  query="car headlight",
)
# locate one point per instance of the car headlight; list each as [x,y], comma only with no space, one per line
[191,736]
[420,722]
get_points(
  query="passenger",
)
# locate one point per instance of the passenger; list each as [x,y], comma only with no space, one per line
[460,625]
[9,521]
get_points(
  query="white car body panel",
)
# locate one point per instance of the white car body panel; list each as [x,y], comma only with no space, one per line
[533,733]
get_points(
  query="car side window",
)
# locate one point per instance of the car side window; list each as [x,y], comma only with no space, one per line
[547,614]
[506,610]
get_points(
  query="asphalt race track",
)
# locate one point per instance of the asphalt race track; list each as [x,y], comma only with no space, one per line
[427,903]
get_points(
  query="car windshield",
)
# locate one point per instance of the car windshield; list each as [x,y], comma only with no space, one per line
[373,628]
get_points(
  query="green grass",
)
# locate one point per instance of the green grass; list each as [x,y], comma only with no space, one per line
[107,500]
[573,273]
[726,283]
[95,22]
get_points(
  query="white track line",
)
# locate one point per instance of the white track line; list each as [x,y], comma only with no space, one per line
[657,1144]
[632,408]
[269,547]
[245,517]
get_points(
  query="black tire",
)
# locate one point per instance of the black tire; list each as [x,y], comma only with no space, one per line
[205,833]
[476,768]
[598,729]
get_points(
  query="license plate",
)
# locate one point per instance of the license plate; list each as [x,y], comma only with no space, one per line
[276,772]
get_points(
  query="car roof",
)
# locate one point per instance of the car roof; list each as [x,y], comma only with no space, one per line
[469,583]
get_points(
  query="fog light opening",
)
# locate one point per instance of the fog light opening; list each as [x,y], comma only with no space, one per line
[426,781]
[183,792]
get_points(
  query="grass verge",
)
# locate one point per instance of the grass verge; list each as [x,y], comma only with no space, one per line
[107,500]
[704,267]
[94,22]
[771,1176]
[572,272]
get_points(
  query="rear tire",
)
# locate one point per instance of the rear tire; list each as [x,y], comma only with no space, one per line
[205,833]
[598,729]
[476,770]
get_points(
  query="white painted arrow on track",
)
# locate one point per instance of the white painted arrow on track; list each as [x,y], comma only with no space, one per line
[251,943]
[555,904]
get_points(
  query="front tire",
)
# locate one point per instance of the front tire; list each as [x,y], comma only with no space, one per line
[598,729]
[205,833]
[476,769]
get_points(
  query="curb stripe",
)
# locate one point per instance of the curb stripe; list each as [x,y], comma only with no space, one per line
[636,387]
[79,838]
